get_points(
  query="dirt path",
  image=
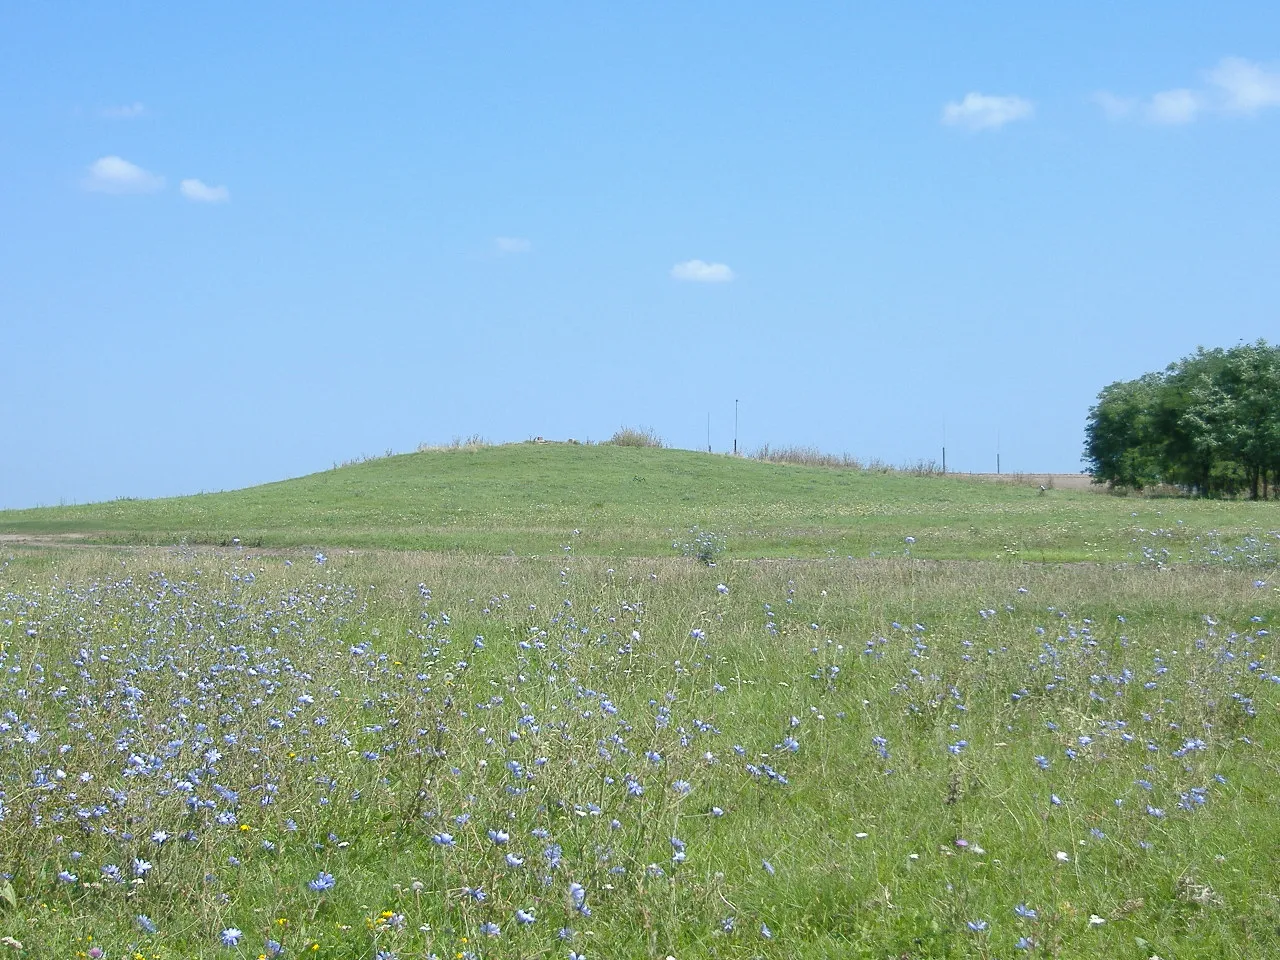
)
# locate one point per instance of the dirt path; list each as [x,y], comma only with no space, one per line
[44,540]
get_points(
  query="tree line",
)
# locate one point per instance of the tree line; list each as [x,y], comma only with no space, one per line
[1209,425]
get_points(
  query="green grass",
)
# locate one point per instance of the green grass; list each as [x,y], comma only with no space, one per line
[527,499]
[352,695]
[162,654]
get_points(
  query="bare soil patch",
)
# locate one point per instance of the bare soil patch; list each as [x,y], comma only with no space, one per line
[44,540]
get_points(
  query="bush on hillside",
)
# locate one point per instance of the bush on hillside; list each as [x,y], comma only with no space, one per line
[631,437]
[703,544]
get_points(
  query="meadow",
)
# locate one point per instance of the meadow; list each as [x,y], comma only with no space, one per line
[261,751]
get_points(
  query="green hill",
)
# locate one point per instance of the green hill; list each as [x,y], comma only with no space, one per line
[529,499]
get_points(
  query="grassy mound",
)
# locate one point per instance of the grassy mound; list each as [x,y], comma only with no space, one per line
[536,499]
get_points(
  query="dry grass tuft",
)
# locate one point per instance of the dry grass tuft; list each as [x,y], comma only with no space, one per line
[633,437]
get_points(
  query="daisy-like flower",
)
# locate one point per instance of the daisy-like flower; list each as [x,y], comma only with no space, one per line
[322,882]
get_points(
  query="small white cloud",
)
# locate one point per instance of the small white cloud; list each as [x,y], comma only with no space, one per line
[512,245]
[700,271]
[1235,86]
[1175,106]
[1116,108]
[1245,87]
[977,111]
[203,193]
[116,175]
[128,111]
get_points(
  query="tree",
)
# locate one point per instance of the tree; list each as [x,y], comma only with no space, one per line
[1209,423]
[1119,436]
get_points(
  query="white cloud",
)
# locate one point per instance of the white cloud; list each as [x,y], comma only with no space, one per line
[1116,108]
[128,111]
[512,245]
[203,193]
[702,272]
[115,175]
[1235,86]
[977,111]
[1244,86]
[1175,106]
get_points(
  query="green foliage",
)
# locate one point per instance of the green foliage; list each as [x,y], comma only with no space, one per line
[1209,424]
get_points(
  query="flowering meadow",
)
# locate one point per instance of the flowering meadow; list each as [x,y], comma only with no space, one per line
[234,754]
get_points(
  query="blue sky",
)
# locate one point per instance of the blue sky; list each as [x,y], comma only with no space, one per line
[243,242]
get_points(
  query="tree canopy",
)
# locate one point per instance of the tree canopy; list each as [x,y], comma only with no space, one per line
[1209,424]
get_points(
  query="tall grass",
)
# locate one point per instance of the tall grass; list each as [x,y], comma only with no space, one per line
[807,456]
[635,437]
[406,755]
[352,462]
[473,442]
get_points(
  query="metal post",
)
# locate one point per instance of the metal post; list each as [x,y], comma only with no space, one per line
[735,428]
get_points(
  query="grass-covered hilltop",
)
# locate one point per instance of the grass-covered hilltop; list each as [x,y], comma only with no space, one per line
[470,704]
[533,499]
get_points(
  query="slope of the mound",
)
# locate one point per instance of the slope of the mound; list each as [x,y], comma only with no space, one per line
[527,499]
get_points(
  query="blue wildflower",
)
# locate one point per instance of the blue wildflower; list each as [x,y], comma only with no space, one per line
[322,882]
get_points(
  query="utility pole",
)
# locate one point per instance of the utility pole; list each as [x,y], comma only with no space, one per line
[944,446]
[735,428]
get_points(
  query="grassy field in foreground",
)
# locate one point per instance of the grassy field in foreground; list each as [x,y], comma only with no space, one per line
[392,755]
[529,500]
